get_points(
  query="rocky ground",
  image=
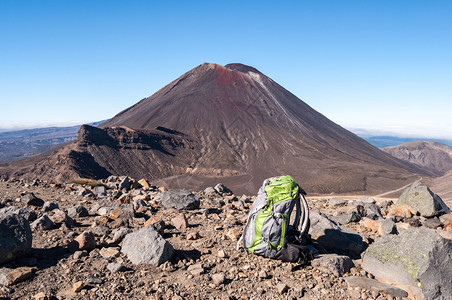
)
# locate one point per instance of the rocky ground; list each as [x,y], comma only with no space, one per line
[82,246]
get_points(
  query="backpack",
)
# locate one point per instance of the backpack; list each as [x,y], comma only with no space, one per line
[267,231]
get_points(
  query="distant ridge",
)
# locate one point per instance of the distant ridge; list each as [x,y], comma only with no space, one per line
[430,155]
[224,123]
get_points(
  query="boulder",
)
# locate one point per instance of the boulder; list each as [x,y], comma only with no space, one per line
[27,213]
[222,189]
[366,199]
[15,236]
[49,206]
[77,211]
[179,199]
[417,260]
[31,199]
[423,201]
[147,246]
[369,210]
[333,263]
[42,222]
[335,238]
[100,191]
[85,241]
[337,201]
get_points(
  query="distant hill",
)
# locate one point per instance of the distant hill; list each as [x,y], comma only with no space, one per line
[388,141]
[20,144]
[229,124]
[435,156]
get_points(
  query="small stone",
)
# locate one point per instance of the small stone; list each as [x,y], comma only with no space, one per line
[180,222]
[144,184]
[193,236]
[59,216]
[366,199]
[156,223]
[31,199]
[12,276]
[77,211]
[79,254]
[119,235]
[41,296]
[109,252]
[282,288]
[115,267]
[432,223]
[84,241]
[100,191]
[401,210]
[49,206]
[125,183]
[218,278]
[221,253]
[233,234]
[78,286]
[263,274]
[196,269]
[115,213]
[43,223]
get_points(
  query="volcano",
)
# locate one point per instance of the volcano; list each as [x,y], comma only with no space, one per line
[229,124]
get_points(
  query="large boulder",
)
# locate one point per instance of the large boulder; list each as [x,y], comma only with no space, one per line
[417,260]
[15,236]
[334,237]
[147,246]
[179,199]
[422,200]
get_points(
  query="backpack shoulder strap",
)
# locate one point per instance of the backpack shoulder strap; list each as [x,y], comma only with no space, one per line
[296,222]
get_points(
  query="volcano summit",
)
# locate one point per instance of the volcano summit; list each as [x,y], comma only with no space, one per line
[223,123]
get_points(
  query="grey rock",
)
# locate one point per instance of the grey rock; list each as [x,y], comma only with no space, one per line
[77,211]
[222,189]
[119,235]
[179,199]
[218,278]
[42,222]
[84,192]
[375,285]
[139,204]
[49,206]
[335,238]
[79,254]
[100,191]
[282,288]
[31,199]
[366,199]
[432,223]
[423,200]
[210,191]
[146,246]
[27,213]
[350,217]
[336,201]
[418,258]
[196,269]
[125,183]
[15,237]
[387,227]
[333,263]
[369,210]
[115,267]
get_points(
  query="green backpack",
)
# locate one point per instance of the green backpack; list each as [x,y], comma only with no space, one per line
[267,232]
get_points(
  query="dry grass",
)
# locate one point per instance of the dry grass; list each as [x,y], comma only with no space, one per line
[87,181]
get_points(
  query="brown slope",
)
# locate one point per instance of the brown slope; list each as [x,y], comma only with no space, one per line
[98,153]
[429,155]
[249,126]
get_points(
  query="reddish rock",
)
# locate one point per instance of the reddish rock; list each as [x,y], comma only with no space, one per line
[180,222]
[84,241]
[401,210]
[115,213]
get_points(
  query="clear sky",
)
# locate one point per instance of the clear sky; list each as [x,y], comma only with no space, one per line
[381,66]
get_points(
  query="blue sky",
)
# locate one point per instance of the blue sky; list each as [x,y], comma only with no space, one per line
[377,66]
